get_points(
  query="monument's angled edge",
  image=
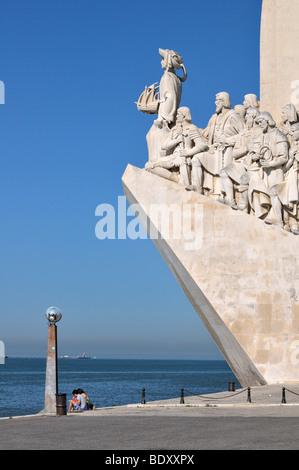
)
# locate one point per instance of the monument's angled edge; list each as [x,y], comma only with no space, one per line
[237,181]
[228,345]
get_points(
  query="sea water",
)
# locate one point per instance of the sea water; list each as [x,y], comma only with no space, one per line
[108,382]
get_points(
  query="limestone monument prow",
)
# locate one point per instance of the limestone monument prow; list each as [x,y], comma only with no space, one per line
[244,294]
[230,189]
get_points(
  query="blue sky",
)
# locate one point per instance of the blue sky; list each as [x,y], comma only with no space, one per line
[73,70]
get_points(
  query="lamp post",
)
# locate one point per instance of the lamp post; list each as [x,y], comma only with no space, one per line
[53,315]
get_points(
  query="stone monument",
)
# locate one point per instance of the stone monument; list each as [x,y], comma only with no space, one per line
[235,184]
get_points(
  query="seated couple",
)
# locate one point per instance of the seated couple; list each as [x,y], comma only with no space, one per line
[78,403]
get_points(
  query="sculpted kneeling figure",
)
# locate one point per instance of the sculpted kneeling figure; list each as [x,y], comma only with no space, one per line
[183,143]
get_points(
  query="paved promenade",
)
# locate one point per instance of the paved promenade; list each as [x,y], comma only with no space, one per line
[219,422]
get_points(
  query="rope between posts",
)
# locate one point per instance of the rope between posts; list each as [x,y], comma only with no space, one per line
[291,391]
[217,398]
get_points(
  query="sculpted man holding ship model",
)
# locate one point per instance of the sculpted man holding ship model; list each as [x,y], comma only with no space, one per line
[170,86]
[165,103]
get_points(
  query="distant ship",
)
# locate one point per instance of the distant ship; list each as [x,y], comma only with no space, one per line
[83,356]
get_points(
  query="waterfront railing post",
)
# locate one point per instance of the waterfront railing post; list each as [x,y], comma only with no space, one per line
[143,397]
[231,386]
[283,399]
[248,395]
[182,397]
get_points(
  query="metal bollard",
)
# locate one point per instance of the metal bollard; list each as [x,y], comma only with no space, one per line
[61,407]
[143,397]
[248,395]
[182,397]
[231,386]
[283,400]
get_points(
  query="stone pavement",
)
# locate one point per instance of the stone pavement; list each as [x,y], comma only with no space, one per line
[222,421]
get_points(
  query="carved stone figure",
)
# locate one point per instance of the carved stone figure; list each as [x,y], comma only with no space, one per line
[289,191]
[271,149]
[165,104]
[221,133]
[235,174]
[170,86]
[251,101]
[241,110]
[183,143]
[289,116]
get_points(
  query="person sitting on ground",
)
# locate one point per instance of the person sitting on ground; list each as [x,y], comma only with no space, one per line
[74,398]
[88,404]
[79,404]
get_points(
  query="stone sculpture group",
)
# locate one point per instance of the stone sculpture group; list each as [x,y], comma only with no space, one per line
[242,158]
